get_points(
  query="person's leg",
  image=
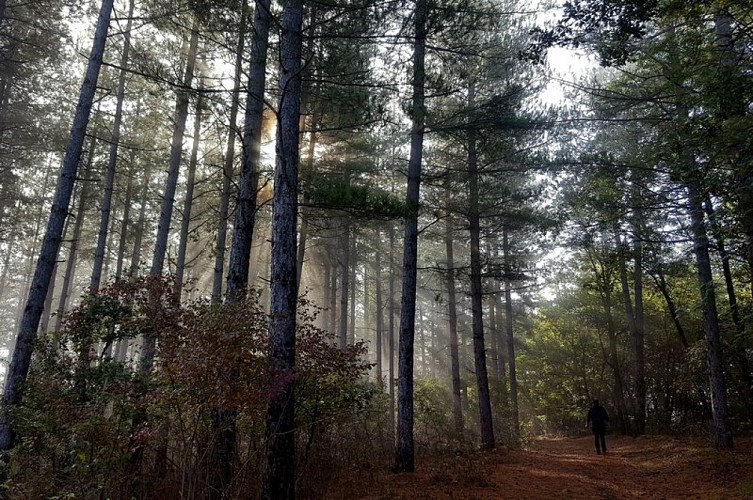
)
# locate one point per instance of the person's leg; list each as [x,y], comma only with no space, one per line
[596,439]
[603,442]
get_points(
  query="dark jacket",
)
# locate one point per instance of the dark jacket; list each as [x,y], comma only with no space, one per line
[597,417]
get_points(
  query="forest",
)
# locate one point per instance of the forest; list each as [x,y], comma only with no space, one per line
[251,248]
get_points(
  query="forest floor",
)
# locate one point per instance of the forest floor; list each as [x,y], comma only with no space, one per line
[647,467]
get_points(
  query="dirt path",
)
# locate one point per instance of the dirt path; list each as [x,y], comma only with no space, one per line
[649,467]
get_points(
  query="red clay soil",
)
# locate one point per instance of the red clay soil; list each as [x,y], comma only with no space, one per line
[647,467]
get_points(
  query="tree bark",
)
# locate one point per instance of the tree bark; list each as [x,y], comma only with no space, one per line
[342,337]
[149,339]
[104,223]
[185,225]
[452,324]
[379,309]
[638,338]
[605,284]
[661,284]
[279,477]
[515,423]
[19,366]
[227,171]
[477,296]
[739,353]
[720,412]
[248,183]
[333,266]
[70,265]
[303,237]
[404,448]
[126,220]
[353,285]
[391,332]
[138,237]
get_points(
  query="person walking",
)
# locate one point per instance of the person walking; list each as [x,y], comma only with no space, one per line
[597,419]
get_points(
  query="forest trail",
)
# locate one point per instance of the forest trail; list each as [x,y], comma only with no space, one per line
[648,467]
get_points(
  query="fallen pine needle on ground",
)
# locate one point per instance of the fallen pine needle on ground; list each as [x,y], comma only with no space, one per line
[646,467]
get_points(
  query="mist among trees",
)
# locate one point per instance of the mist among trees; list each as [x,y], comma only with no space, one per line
[249,247]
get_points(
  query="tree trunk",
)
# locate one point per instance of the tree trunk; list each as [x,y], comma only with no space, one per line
[304,220]
[180,266]
[722,426]
[45,320]
[352,279]
[661,284]
[126,220]
[739,353]
[640,376]
[452,324]
[248,182]
[19,366]
[33,250]
[279,478]
[477,295]
[227,171]
[515,423]
[404,448]
[149,340]
[379,309]
[104,223]
[70,265]
[638,339]
[138,237]
[344,286]
[391,332]
[605,285]
[333,266]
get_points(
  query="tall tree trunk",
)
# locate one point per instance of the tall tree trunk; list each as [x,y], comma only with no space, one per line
[33,250]
[333,266]
[605,285]
[391,332]
[493,354]
[739,352]
[404,448]
[514,413]
[352,279]
[720,412]
[185,225]
[452,323]
[477,294]
[638,338]
[502,343]
[227,171]
[304,220]
[248,183]
[104,224]
[279,478]
[661,284]
[126,220]
[149,340]
[379,309]
[344,286]
[140,224]
[245,211]
[640,377]
[70,265]
[19,366]
[45,320]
